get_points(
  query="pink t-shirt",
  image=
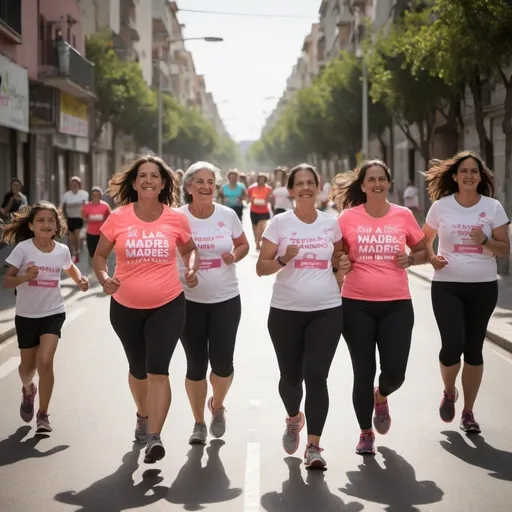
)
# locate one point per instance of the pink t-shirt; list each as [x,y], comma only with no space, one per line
[373,245]
[96,215]
[146,263]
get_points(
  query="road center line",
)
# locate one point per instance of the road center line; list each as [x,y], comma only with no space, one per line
[252,478]
[10,365]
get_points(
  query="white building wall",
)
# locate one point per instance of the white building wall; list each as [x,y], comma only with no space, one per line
[144,47]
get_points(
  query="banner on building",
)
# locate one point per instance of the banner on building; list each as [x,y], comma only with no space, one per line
[13,95]
[42,106]
[73,119]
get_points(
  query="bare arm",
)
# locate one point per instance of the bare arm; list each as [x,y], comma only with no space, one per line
[430,236]
[241,247]
[267,263]
[419,253]
[11,280]
[74,273]
[499,242]
[101,255]
[189,254]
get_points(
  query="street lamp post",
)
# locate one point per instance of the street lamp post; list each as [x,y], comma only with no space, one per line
[159,96]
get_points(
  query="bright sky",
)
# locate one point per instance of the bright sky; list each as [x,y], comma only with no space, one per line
[255,59]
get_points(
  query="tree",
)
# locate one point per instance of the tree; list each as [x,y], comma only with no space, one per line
[225,154]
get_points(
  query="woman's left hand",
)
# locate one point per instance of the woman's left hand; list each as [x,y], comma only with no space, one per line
[477,235]
[191,278]
[344,265]
[228,258]
[83,284]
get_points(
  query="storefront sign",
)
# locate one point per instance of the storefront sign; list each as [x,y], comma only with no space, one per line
[13,95]
[42,106]
[71,143]
[73,116]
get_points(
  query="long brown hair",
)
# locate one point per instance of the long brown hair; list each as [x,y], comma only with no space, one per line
[351,192]
[439,177]
[121,189]
[18,230]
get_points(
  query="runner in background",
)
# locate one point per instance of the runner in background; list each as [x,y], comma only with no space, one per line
[323,195]
[473,231]
[336,194]
[261,199]
[282,200]
[35,266]
[233,194]
[95,213]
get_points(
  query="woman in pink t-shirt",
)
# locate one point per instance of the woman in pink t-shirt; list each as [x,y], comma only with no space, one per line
[147,308]
[95,213]
[377,306]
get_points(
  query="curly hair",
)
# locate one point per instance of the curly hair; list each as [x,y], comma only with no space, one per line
[439,178]
[120,187]
[18,229]
[351,192]
[302,167]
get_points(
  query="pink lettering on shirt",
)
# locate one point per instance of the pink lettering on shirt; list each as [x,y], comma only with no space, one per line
[43,283]
[310,261]
[465,245]
[153,246]
[208,264]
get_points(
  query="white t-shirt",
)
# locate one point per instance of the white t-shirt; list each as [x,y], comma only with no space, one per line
[323,195]
[213,236]
[307,283]
[411,197]
[42,296]
[468,262]
[74,203]
[282,198]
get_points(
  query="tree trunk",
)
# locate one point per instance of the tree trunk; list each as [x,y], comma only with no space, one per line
[486,146]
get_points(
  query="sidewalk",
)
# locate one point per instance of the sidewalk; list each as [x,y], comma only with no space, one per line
[499,330]
[8,299]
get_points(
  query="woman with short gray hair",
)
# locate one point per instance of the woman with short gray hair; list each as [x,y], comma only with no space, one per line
[213,306]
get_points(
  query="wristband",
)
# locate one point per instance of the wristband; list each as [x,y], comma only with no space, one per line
[485,240]
[281,262]
[411,260]
[334,269]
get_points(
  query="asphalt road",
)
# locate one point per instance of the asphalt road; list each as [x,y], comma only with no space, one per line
[89,463]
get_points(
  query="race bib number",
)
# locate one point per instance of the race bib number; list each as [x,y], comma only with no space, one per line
[260,202]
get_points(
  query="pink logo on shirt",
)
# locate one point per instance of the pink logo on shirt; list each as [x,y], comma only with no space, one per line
[221,224]
[483,215]
[43,283]
[310,261]
[208,264]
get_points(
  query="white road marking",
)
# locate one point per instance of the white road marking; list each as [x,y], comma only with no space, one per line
[254,402]
[504,356]
[10,365]
[73,315]
[252,478]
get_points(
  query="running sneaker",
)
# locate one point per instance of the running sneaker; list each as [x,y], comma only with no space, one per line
[43,423]
[218,422]
[141,429]
[366,445]
[199,434]
[291,436]
[27,403]
[312,457]
[469,424]
[155,450]
[447,407]
[381,418]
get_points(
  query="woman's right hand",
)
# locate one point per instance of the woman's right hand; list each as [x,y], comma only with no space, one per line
[111,285]
[438,262]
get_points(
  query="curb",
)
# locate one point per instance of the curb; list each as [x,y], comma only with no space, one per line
[494,338]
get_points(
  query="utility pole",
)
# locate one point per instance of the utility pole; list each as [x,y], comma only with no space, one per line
[160,113]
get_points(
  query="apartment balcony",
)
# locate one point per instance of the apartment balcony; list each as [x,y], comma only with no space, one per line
[10,20]
[128,21]
[161,20]
[64,68]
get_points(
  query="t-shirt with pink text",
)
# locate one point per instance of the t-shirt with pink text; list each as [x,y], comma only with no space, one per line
[468,261]
[146,261]
[373,245]
[96,215]
[213,236]
[41,296]
[307,283]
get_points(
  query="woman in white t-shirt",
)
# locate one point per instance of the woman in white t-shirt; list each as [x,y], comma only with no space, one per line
[35,265]
[305,319]
[473,231]
[71,204]
[282,200]
[213,306]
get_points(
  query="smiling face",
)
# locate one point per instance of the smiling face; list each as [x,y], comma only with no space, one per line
[148,183]
[44,225]
[468,175]
[305,187]
[376,183]
[202,186]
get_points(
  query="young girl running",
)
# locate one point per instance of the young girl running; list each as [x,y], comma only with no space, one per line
[35,266]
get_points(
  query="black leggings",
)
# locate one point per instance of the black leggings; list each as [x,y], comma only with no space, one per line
[305,343]
[462,312]
[210,333]
[387,325]
[92,243]
[149,336]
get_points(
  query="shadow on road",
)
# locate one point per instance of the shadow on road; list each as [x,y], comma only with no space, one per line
[14,449]
[394,486]
[118,491]
[196,485]
[310,495]
[481,455]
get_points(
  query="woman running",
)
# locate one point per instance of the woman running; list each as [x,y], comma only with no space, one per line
[95,213]
[377,306]
[260,197]
[282,200]
[233,194]
[473,230]
[147,308]
[35,266]
[305,319]
[213,306]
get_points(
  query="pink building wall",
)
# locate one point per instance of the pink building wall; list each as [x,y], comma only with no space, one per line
[57,11]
